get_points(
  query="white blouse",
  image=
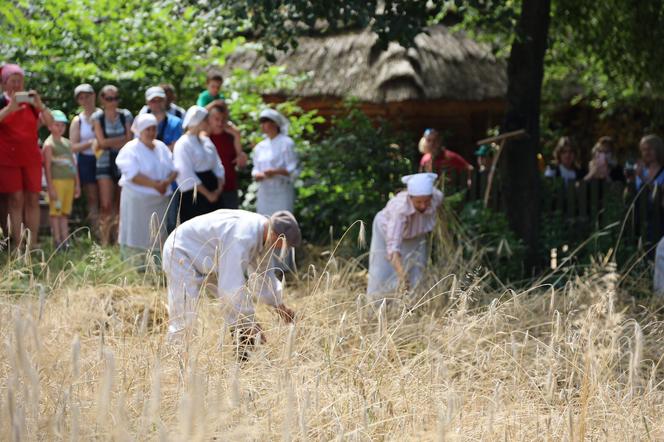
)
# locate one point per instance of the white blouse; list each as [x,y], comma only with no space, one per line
[136,158]
[193,154]
[275,153]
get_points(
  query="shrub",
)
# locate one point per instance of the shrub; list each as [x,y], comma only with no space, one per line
[349,174]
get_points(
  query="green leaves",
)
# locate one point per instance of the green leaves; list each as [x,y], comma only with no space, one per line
[131,43]
[349,174]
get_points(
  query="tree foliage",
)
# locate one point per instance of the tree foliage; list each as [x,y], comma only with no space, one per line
[350,174]
[130,43]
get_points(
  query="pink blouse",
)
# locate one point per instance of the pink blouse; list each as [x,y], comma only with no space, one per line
[399,220]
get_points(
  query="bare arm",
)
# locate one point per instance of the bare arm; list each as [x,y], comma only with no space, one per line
[11,107]
[45,115]
[75,136]
[108,143]
[144,181]
[273,172]
[77,180]
[128,133]
[240,157]
[395,260]
[47,152]
[210,196]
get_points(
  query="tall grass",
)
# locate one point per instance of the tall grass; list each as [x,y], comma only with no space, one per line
[84,357]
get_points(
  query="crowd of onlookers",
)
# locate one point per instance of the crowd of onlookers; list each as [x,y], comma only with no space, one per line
[141,175]
[604,165]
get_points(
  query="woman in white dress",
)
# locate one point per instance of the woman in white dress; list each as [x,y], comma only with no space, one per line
[201,174]
[275,165]
[147,173]
[399,237]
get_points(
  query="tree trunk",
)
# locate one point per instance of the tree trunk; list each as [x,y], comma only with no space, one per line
[521,177]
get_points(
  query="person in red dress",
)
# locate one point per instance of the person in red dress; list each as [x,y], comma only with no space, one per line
[20,157]
[438,159]
[226,139]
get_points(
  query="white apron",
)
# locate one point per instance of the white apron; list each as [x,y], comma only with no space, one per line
[383,279]
[142,219]
[274,194]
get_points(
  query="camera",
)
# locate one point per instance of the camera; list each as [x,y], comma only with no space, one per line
[24,97]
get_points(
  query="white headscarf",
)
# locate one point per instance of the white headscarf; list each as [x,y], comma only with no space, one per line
[194,116]
[142,122]
[420,184]
[279,119]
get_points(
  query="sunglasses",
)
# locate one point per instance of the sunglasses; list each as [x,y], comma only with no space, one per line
[115,98]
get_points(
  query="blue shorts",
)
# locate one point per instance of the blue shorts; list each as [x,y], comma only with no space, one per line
[87,168]
[106,167]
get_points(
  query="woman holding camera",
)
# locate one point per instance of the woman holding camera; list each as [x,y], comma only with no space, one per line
[20,158]
[603,165]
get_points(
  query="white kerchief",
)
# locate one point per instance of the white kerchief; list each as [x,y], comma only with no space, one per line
[420,184]
[142,122]
[279,119]
[194,116]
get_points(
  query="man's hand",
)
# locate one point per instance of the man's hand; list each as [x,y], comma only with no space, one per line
[241,160]
[286,314]
[260,176]
[77,191]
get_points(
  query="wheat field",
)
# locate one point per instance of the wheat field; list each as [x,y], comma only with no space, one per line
[84,357]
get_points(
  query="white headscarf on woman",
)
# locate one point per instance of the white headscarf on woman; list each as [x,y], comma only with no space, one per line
[194,116]
[278,119]
[420,184]
[142,122]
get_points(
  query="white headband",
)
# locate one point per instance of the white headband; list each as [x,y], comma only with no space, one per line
[420,184]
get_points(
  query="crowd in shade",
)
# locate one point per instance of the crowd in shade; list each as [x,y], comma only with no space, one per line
[164,184]
[604,164]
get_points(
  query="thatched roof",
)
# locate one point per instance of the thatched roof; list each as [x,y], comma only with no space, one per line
[441,65]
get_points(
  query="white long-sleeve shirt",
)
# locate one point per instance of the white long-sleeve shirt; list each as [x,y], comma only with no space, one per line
[136,158]
[230,243]
[193,154]
[275,153]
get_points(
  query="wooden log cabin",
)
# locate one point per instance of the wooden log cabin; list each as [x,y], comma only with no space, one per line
[445,80]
